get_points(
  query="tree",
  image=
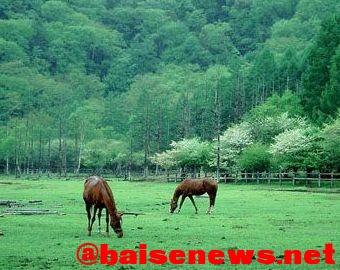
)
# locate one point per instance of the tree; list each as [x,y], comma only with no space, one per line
[254,158]
[317,77]
[275,106]
[10,51]
[277,114]
[290,70]
[233,141]
[291,149]
[188,154]
[218,78]
[330,101]
[138,74]
[330,144]
[263,73]
[97,154]
[18,31]
[7,146]
[196,20]
[127,20]
[264,130]
[215,38]
[83,123]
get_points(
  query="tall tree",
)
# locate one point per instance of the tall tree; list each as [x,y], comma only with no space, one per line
[219,77]
[317,77]
[330,98]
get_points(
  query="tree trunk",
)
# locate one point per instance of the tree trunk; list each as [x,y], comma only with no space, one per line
[130,161]
[186,117]
[147,142]
[62,149]
[159,135]
[40,151]
[49,156]
[217,111]
[7,158]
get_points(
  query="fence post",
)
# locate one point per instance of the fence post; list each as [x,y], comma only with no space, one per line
[319,180]
[293,179]
[331,179]
[280,178]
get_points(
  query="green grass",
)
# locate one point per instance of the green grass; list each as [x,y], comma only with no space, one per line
[246,217]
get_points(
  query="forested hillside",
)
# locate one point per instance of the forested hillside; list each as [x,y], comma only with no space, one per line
[145,84]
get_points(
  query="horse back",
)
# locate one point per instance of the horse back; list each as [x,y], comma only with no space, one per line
[199,186]
[93,190]
[210,185]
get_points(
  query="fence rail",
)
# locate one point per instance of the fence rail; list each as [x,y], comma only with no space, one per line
[295,178]
[309,179]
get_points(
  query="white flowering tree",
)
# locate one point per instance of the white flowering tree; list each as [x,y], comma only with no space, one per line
[232,142]
[330,146]
[187,153]
[165,159]
[265,129]
[292,149]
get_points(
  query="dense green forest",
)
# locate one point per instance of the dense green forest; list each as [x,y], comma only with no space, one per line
[146,85]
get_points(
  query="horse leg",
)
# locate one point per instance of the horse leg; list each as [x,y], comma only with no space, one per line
[212,197]
[99,216]
[88,210]
[93,219]
[193,202]
[181,203]
[107,222]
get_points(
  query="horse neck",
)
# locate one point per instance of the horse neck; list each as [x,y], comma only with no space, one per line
[178,192]
[110,202]
[111,207]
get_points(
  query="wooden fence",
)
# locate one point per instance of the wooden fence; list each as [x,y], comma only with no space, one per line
[309,179]
[294,178]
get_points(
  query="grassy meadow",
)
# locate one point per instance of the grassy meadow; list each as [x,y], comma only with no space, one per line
[245,217]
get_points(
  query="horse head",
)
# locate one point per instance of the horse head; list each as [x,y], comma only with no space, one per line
[116,224]
[173,205]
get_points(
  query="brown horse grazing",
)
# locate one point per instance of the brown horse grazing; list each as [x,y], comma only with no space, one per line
[98,193]
[190,187]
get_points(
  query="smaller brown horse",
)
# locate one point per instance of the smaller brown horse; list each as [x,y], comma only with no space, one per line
[190,187]
[97,192]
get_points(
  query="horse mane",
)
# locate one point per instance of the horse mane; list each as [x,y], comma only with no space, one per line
[109,191]
[179,190]
[110,195]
